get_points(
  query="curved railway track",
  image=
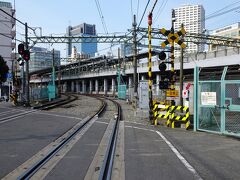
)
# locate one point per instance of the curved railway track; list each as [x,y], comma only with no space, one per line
[48,106]
[107,164]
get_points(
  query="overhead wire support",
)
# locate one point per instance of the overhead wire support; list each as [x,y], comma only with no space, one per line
[78,39]
[195,38]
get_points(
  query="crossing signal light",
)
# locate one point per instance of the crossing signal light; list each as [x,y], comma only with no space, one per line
[20,61]
[21,49]
[26,55]
[162,55]
[162,67]
[163,84]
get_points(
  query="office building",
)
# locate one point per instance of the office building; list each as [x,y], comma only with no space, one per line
[41,58]
[193,19]
[231,31]
[86,49]
[7,33]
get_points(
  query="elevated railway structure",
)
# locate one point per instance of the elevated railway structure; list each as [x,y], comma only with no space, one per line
[99,74]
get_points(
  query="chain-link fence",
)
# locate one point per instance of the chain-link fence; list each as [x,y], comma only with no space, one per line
[217,103]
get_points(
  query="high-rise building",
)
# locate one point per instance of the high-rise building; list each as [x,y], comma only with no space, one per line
[193,19]
[88,49]
[232,31]
[42,58]
[7,33]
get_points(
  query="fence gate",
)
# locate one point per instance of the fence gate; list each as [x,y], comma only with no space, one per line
[122,87]
[216,101]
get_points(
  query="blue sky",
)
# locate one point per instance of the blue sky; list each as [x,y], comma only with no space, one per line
[55,15]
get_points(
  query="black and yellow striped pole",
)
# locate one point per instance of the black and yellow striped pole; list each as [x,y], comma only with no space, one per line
[150,69]
[173,38]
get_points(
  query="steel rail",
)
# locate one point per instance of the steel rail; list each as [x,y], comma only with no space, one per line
[106,169]
[31,171]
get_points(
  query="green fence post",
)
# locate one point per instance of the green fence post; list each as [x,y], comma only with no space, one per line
[223,99]
[196,79]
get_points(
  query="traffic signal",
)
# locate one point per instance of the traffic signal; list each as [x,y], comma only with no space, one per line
[165,75]
[21,49]
[20,61]
[26,55]
[162,67]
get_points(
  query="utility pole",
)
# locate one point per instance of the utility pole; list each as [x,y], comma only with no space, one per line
[27,67]
[135,82]
[181,74]
[23,84]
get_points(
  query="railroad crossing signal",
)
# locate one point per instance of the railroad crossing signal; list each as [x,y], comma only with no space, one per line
[173,37]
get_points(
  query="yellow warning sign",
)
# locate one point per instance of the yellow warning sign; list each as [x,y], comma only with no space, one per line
[172,93]
[173,37]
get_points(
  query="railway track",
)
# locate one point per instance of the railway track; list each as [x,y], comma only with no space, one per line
[106,170]
[6,117]
[106,167]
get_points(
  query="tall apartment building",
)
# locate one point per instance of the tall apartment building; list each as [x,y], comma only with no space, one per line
[232,31]
[87,49]
[42,58]
[7,33]
[193,19]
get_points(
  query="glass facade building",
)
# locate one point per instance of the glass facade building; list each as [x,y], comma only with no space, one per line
[84,29]
[42,58]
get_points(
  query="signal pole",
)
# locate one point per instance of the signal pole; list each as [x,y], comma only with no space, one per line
[181,75]
[150,68]
[172,87]
[27,68]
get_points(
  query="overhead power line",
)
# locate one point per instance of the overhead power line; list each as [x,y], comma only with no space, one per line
[144,13]
[154,6]
[101,16]
[16,19]
[160,10]
[9,37]
[224,8]
[131,9]
[137,9]
[215,14]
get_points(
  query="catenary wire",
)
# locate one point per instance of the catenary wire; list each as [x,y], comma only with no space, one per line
[143,13]
[137,9]
[9,37]
[160,10]
[211,16]
[16,19]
